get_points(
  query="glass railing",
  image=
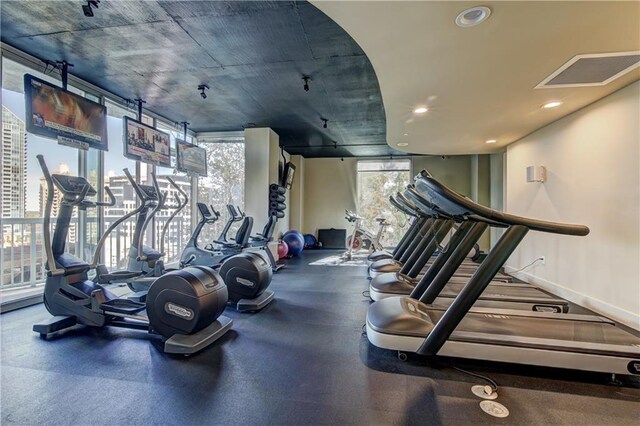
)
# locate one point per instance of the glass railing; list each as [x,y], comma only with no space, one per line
[23,260]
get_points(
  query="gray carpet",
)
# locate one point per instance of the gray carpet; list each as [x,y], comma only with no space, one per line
[303,360]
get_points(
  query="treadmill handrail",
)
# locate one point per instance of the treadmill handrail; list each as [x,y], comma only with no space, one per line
[401,207]
[410,205]
[422,203]
[439,190]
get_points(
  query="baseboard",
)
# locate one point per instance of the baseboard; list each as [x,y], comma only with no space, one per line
[622,316]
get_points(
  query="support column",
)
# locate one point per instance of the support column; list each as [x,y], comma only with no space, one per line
[295,196]
[261,156]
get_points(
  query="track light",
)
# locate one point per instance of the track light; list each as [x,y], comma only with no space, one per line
[202,88]
[306,79]
[87,10]
[324,122]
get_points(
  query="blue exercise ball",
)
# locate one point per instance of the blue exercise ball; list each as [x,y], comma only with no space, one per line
[295,241]
[310,241]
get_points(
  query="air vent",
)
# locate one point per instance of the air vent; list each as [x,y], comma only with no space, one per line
[592,70]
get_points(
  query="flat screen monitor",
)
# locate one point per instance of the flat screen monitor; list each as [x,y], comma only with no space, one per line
[53,112]
[145,143]
[191,158]
[288,174]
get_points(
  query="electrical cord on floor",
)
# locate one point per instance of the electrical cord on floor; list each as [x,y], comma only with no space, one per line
[489,380]
[366,294]
[528,266]
[364,330]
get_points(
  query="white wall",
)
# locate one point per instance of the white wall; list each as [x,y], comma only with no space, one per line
[592,161]
[454,171]
[496,190]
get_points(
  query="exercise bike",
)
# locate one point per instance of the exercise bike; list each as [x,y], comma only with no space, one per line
[235,215]
[362,237]
[183,308]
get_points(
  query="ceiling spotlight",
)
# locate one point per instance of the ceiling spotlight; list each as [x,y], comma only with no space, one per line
[306,79]
[402,144]
[472,17]
[406,134]
[202,88]
[86,9]
[421,110]
[324,122]
[490,141]
[552,104]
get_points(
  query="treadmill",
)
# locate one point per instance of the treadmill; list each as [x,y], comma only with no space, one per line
[415,261]
[497,295]
[581,342]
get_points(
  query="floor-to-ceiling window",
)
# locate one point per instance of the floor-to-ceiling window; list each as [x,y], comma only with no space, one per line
[178,230]
[23,191]
[377,180]
[224,183]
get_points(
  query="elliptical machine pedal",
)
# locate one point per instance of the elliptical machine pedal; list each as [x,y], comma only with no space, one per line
[256,304]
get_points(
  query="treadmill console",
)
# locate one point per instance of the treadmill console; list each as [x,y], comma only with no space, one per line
[149,191]
[72,185]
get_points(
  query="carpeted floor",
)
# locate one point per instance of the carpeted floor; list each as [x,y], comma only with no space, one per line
[303,360]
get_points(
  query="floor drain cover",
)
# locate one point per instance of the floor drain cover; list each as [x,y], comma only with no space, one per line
[494,409]
[481,391]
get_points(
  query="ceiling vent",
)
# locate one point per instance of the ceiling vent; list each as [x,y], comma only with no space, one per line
[592,70]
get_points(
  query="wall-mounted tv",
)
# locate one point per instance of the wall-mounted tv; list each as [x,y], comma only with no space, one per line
[145,143]
[52,111]
[288,174]
[191,158]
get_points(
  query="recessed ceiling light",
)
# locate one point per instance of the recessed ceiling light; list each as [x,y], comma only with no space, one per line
[406,134]
[402,144]
[421,110]
[490,141]
[472,17]
[552,104]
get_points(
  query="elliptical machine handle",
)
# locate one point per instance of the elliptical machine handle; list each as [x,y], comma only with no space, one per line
[112,199]
[46,224]
[134,184]
[80,198]
[45,170]
[181,205]
[155,183]
[181,191]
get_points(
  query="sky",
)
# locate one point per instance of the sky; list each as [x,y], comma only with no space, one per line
[55,154]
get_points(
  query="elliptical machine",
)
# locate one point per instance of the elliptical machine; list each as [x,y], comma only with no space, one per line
[246,273]
[144,259]
[183,307]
